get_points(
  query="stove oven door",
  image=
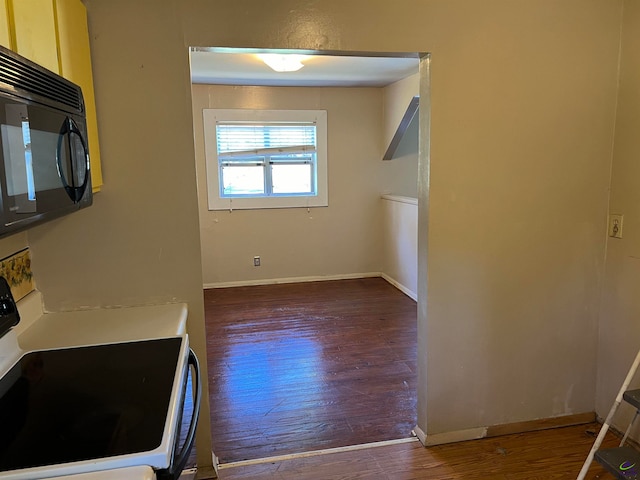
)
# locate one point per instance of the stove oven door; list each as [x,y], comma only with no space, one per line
[183,446]
[130,473]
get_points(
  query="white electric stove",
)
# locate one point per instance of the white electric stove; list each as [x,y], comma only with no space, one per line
[129,473]
[95,395]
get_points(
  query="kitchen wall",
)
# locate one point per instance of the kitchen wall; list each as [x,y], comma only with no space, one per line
[620,309]
[139,243]
[13,244]
[343,239]
[523,103]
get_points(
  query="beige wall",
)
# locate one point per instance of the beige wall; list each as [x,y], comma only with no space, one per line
[620,311]
[341,239]
[12,244]
[400,242]
[139,242]
[396,97]
[399,175]
[522,123]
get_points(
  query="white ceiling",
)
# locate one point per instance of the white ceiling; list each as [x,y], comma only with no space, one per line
[242,68]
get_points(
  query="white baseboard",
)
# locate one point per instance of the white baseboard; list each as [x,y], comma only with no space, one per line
[316,278]
[188,474]
[315,453]
[206,473]
[420,435]
[408,292]
[449,437]
[452,437]
[503,429]
[274,281]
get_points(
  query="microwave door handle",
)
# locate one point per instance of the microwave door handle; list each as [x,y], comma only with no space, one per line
[178,463]
[65,136]
[62,136]
[85,157]
[74,191]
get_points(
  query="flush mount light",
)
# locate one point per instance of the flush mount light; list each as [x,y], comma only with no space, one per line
[283,63]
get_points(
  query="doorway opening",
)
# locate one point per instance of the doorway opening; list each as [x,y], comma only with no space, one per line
[364,242]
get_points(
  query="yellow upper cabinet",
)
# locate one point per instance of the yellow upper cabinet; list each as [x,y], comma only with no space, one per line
[75,65]
[5,35]
[34,29]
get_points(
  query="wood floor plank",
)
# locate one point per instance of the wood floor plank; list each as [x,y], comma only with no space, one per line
[301,367]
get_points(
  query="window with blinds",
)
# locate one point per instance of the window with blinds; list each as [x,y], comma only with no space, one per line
[266,158]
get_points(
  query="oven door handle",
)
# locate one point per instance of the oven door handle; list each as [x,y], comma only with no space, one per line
[178,463]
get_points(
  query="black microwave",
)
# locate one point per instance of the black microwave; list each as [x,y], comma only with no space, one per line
[44,156]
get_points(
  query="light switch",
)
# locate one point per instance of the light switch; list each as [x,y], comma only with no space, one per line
[615,226]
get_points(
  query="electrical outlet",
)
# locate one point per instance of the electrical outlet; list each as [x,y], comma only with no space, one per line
[615,225]
[256,261]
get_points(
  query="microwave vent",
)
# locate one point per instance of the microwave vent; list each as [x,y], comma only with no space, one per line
[25,78]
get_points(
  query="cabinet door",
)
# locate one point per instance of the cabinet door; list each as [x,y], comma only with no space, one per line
[35,31]
[5,35]
[75,65]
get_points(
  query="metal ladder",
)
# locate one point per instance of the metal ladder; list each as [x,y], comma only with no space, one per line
[623,462]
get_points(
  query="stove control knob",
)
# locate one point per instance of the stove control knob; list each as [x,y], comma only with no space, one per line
[9,315]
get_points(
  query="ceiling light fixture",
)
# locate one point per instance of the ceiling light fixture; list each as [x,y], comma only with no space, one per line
[283,63]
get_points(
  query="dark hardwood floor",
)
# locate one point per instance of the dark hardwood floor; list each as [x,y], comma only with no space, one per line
[309,366]
[543,455]
[306,367]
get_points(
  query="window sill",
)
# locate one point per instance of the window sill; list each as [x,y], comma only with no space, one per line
[267,203]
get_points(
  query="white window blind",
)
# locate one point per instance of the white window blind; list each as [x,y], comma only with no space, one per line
[266,158]
[236,139]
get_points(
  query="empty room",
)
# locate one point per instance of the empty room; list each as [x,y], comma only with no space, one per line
[311,305]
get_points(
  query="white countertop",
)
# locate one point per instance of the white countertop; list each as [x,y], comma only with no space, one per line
[107,325]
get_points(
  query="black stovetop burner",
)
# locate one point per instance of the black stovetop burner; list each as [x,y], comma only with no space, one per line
[83,403]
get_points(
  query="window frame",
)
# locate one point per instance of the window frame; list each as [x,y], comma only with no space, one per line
[213,166]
